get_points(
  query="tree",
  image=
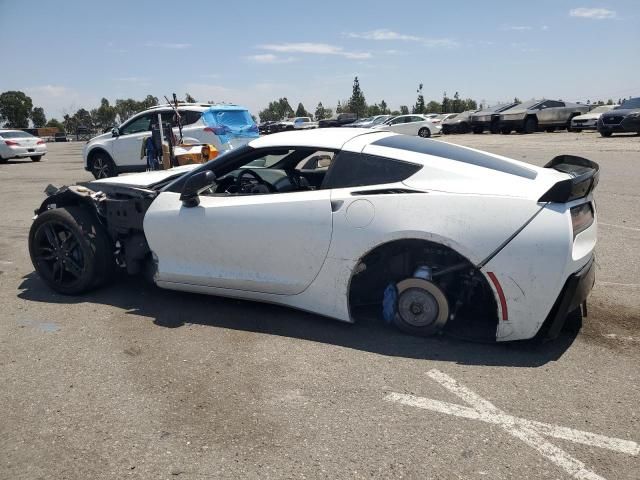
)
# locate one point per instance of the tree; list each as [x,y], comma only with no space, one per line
[456,105]
[277,110]
[446,103]
[38,118]
[301,112]
[516,100]
[339,107]
[320,112]
[384,109]
[469,104]
[357,103]
[104,116]
[419,107]
[610,101]
[404,110]
[189,99]
[83,118]
[328,113]
[15,109]
[55,124]
[433,107]
[148,102]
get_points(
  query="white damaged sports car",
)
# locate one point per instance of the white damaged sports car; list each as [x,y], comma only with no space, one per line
[344,222]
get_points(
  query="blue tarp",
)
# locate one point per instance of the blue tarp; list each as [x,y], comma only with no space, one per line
[229,122]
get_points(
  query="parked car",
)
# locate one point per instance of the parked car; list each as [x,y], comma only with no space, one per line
[489,118]
[338,121]
[534,115]
[62,137]
[438,236]
[298,123]
[458,123]
[370,121]
[589,121]
[414,124]
[19,144]
[625,118]
[223,126]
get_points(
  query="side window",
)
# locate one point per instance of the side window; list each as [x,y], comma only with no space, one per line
[140,124]
[553,103]
[351,169]
[189,117]
[416,119]
[397,121]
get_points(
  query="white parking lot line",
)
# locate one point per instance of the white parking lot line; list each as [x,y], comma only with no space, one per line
[624,227]
[529,431]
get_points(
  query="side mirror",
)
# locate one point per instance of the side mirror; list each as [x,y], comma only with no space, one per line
[193,185]
[115,132]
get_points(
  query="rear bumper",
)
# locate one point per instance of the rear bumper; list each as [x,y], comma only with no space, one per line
[574,293]
[25,152]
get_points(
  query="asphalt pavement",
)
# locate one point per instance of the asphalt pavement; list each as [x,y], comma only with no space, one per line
[132,381]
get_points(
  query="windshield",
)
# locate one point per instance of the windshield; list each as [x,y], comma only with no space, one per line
[602,109]
[631,103]
[16,135]
[529,104]
[380,119]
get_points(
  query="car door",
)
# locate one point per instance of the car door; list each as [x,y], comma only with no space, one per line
[413,124]
[270,243]
[397,124]
[126,146]
[550,113]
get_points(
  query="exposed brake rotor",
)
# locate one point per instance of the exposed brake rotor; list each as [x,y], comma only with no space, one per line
[422,304]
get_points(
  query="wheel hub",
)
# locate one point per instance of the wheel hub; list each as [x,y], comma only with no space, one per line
[422,304]
[418,307]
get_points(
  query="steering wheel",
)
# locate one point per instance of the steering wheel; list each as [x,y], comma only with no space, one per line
[253,188]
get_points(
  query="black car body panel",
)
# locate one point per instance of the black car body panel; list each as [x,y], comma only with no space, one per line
[489,118]
[339,121]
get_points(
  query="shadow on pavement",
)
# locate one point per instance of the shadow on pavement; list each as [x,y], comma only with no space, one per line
[172,309]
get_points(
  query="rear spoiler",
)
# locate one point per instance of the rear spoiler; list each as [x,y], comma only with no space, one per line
[585,175]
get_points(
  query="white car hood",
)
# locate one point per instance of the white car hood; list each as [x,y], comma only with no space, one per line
[145,179]
[588,116]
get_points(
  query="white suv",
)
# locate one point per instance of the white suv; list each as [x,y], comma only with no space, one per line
[224,126]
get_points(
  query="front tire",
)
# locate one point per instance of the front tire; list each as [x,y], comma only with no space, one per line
[478,130]
[70,250]
[102,166]
[605,134]
[424,132]
[36,158]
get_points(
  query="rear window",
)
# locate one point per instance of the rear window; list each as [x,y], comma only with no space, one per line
[455,153]
[229,118]
[15,135]
[351,169]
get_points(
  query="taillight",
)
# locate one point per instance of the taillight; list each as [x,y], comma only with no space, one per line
[40,142]
[581,218]
[11,143]
[221,130]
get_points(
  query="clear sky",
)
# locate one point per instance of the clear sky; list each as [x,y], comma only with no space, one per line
[68,54]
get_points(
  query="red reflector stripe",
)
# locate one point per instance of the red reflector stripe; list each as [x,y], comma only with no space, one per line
[503,301]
